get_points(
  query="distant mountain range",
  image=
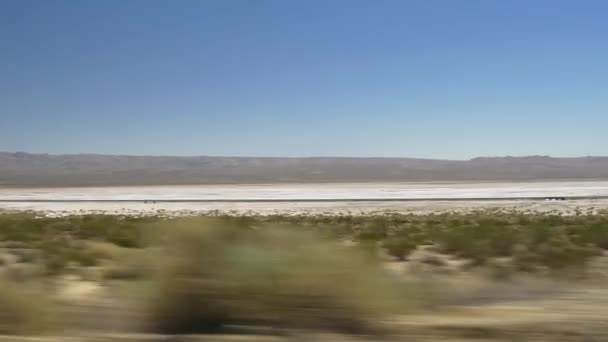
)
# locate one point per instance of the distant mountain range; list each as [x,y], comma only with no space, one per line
[26,169]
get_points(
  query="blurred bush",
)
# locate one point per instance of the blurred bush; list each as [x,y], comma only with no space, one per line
[23,311]
[215,273]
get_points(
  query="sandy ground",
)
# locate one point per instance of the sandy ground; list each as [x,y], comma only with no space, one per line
[23,199]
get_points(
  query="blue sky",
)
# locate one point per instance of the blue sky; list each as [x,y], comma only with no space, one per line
[428,78]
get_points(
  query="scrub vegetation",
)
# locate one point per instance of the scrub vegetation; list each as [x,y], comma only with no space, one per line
[316,273]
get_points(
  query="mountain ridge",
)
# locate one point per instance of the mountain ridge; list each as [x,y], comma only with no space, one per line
[32,169]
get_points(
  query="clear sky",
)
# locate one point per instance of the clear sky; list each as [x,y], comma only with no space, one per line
[438,79]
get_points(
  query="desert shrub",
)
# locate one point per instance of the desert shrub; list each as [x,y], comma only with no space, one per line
[466,242]
[334,231]
[24,255]
[130,265]
[22,273]
[559,252]
[216,273]
[61,250]
[369,248]
[120,230]
[433,260]
[83,256]
[399,247]
[93,253]
[22,311]
[122,272]
[240,221]
[479,236]
[125,235]
[501,270]
[117,230]
[18,228]
[539,233]
[55,254]
[595,233]
[490,236]
[104,250]
[503,239]
[478,251]
[375,230]
[523,258]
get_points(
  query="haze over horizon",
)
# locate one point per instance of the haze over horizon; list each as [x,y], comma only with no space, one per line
[298,156]
[420,79]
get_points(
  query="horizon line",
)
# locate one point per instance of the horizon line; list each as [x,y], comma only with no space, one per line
[300,157]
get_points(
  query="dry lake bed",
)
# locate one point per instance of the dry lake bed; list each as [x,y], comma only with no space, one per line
[331,198]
